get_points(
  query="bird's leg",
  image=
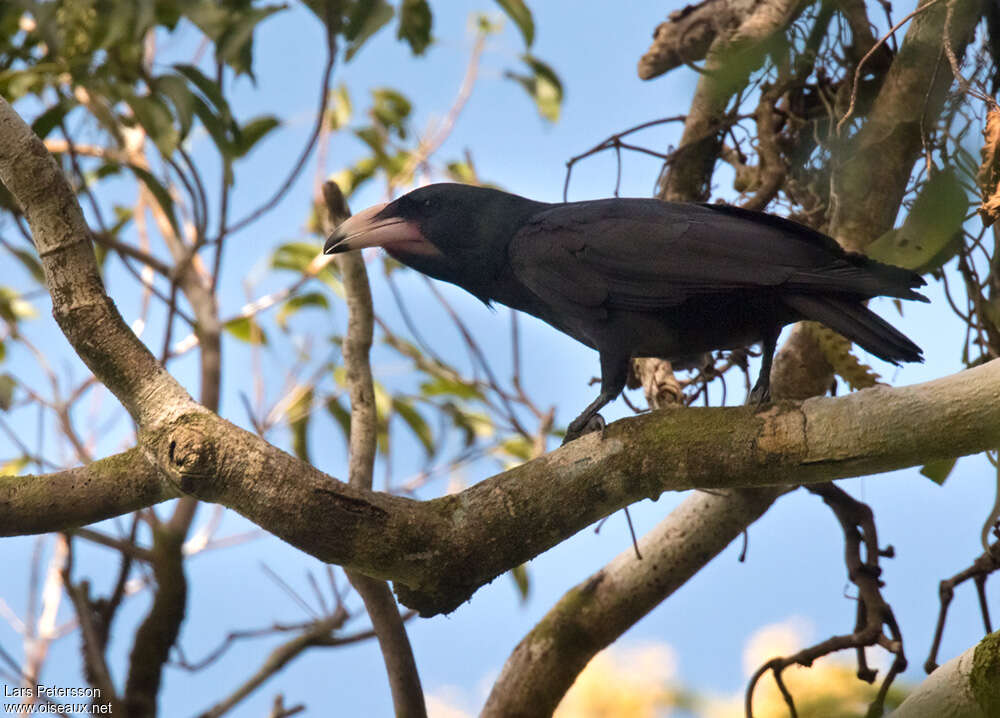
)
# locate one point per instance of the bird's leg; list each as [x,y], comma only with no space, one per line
[761,392]
[614,372]
[589,420]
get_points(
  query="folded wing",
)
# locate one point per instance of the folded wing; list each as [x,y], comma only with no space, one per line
[647,255]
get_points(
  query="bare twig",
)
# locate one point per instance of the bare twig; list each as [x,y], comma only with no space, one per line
[876,623]
[986,564]
[615,142]
[435,137]
[324,98]
[404,681]
[857,72]
[317,635]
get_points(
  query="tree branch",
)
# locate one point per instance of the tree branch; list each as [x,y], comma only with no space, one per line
[599,610]
[687,34]
[964,687]
[730,60]
[871,180]
[113,486]
[404,680]
[84,312]
[317,635]
[159,629]
[440,551]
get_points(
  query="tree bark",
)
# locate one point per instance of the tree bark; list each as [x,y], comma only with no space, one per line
[964,687]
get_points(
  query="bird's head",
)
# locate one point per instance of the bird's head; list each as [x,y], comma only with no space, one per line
[454,232]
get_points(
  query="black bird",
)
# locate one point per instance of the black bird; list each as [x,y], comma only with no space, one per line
[639,277]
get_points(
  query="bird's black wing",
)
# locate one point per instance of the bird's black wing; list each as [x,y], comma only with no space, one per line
[646,255]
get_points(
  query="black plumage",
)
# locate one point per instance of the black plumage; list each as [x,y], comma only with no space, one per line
[639,277]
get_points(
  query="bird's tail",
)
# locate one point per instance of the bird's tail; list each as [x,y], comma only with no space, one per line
[859,324]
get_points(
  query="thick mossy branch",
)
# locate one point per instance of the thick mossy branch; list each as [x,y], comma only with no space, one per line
[597,611]
[439,552]
[100,490]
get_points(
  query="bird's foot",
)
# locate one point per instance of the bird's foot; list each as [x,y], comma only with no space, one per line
[578,428]
[760,395]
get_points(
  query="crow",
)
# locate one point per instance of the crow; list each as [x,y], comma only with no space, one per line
[639,277]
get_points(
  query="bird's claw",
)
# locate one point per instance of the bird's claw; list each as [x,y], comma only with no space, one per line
[578,428]
[759,396]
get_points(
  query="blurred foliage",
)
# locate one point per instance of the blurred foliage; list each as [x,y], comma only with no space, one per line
[542,84]
[641,681]
[845,364]
[415,21]
[988,175]
[931,234]
[521,15]
[7,386]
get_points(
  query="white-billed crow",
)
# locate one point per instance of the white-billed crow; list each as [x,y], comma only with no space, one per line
[639,277]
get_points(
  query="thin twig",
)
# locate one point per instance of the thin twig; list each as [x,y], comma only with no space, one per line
[876,46]
[324,98]
[404,681]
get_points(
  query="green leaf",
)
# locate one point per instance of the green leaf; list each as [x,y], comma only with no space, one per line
[123,24]
[208,87]
[365,19]
[295,256]
[415,22]
[418,425]
[340,415]
[543,85]
[442,386]
[246,330]
[375,141]
[123,215]
[472,424]
[3,350]
[518,447]
[235,47]
[486,25]
[293,305]
[253,131]
[391,109]
[938,471]
[220,127]
[15,84]
[931,232]
[518,12]
[521,581]
[230,26]
[7,386]
[13,308]
[175,89]
[50,119]
[353,177]
[156,119]
[298,421]
[14,466]
[462,172]
[339,109]
[383,408]
[160,194]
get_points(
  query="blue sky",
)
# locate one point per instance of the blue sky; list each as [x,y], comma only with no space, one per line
[794,565]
